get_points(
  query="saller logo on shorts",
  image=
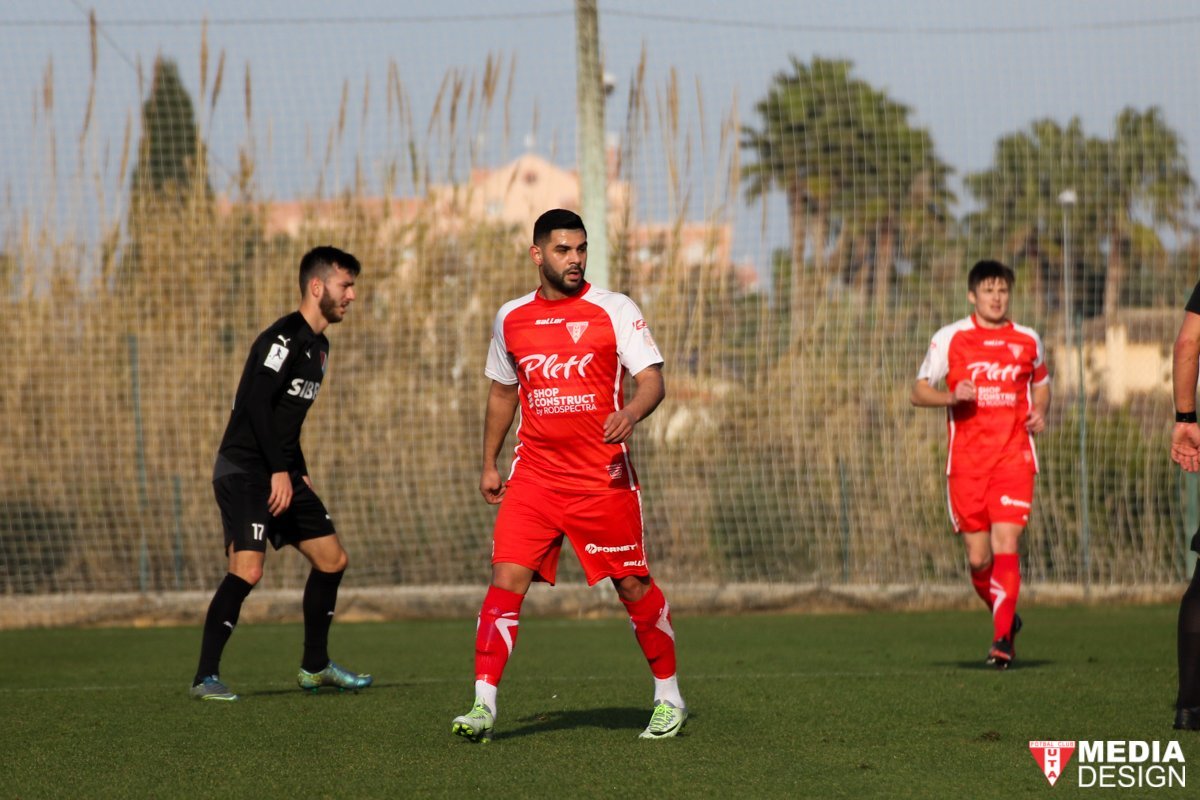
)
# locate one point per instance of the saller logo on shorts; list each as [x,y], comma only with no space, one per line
[552,368]
[592,549]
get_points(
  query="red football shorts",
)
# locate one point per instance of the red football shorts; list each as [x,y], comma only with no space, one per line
[605,530]
[979,501]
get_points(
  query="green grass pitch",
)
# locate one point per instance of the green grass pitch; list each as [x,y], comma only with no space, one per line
[855,706]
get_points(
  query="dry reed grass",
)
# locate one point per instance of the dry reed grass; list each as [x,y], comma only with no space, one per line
[786,450]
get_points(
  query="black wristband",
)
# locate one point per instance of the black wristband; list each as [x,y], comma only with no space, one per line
[1185,416]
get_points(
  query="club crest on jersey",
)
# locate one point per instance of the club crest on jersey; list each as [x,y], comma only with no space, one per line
[1016,350]
[576,329]
[323,358]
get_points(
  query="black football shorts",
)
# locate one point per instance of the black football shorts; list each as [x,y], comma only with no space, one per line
[242,498]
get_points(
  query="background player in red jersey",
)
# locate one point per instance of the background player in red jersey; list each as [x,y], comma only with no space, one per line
[1185,451]
[996,396]
[560,353]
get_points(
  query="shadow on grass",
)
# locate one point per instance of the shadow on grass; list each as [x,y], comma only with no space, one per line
[979,666]
[631,719]
[293,691]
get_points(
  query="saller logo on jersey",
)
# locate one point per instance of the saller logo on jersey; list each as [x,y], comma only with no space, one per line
[993,371]
[552,368]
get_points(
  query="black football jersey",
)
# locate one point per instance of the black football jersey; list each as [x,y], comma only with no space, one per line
[279,383]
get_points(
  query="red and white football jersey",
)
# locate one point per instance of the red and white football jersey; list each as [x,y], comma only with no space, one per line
[568,358]
[1005,364]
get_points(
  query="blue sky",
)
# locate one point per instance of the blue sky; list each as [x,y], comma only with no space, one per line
[971,71]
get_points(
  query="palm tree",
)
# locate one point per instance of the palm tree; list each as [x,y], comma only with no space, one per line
[1148,175]
[862,185]
[1139,173]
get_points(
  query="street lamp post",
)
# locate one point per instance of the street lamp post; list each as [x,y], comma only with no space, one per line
[1067,199]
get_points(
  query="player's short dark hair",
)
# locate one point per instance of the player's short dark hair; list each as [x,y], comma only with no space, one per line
[987,270]
[554,220]
[320,261]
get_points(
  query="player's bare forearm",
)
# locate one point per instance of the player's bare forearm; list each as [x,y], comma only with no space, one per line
[501,410]
[649,392]
[1187,363]
[1185,436]
[1035,422]
[925,396]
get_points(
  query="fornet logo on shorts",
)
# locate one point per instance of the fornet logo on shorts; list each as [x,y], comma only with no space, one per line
[592,548]
[552,368]
[1005,500]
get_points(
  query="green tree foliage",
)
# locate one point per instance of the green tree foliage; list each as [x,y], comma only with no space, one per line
[171,156]
[170,195]
[864,188]
[1129,189]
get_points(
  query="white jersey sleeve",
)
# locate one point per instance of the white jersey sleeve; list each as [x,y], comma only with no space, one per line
[1041,375]
[636,348]
[936,365]
[500,367]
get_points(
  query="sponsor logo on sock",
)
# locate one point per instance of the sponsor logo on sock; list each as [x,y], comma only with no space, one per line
[504,626]
[664,621]
[228,624]
[1114,764]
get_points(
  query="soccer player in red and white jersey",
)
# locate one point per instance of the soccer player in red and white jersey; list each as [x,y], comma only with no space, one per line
[996,396]
[561,354]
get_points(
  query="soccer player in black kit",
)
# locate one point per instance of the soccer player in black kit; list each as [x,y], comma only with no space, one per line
[1185,451]
[261,480]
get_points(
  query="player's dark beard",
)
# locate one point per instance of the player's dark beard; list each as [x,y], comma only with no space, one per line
[327,304]
[559,283]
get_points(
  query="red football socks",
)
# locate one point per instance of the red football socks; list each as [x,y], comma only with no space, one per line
[496,633]
[652,625]
[981,579]
[1006,585]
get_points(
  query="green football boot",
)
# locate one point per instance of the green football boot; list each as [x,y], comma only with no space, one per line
[211,688]
[475,725]
[333,675]
[667,720]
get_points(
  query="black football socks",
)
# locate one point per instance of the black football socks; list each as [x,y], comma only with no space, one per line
[320,597]
[222,618]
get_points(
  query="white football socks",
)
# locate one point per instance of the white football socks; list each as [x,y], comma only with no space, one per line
[668,689]
[487,693]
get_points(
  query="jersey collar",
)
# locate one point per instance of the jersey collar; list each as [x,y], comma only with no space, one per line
[1008,323]
[541,298]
